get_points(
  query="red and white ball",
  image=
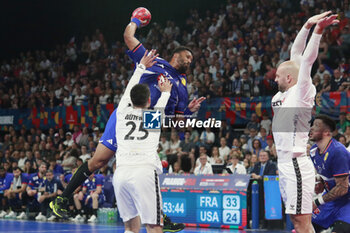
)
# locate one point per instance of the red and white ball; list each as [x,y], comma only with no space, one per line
[143,15]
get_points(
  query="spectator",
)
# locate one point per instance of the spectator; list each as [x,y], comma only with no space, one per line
[266,122]
[253,134]
[85,155]
[264,167]
[186,145]
[215,158]
[252,161]
[69,160]
[235,167]
[207,138]
[204,167]
[256,147]
[337,80]
[164,144]
[69,141]
[224,150]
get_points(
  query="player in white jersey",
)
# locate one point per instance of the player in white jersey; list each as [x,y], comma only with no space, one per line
[292,107]
[135,180]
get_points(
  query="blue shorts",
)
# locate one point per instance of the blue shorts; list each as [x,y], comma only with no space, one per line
[333,211]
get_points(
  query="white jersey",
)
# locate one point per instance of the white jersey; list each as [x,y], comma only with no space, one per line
[136,146]
[293,108]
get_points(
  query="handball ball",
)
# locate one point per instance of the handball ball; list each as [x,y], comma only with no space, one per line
[143,15]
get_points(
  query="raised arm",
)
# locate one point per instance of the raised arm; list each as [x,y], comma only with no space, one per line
[300,40]
[311,50]
[129,36]
[146,62]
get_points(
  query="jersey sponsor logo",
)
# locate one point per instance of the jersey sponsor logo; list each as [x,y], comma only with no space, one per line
[326,157]
[277,103]
[183,81]
[151,119]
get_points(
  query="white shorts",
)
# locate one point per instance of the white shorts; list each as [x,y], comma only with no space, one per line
[297,184]
[138,193]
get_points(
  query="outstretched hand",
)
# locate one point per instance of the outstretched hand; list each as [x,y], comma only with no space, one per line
[195,104]
[148,59]
[325,22]
[314,19]
[165,85]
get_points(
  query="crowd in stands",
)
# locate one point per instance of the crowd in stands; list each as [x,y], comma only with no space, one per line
[236,52]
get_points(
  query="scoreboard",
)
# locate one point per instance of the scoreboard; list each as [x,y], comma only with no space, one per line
[210,201]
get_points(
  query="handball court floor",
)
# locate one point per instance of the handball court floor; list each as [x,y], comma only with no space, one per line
[13,226]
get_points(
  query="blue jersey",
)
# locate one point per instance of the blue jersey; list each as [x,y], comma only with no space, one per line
[52,186]
[5,182]
[334,162]
[91,184]
[178,100]
[68,177]
[35,182]
[24,179]
[109,137]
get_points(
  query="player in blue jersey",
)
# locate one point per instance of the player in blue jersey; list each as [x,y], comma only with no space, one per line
[174,70]
[52,188]
[14,193]
[332,163]
[5,183]
[90,196]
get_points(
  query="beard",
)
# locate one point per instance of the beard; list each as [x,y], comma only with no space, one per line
[182,66]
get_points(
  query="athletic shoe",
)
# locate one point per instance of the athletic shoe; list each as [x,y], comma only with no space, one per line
[171,226]
[52,218]
[59,207]
[92,219]
[2,213]
[22,215]
[40,217]
[79,218]
[11,215]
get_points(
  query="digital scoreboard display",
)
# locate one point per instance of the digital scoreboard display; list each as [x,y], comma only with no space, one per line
[197,206]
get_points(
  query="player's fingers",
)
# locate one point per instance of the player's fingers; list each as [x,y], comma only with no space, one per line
[146,53]
[322,15]
[200,100]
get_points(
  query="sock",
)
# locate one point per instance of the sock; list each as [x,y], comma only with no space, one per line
[94,212]
[78,178]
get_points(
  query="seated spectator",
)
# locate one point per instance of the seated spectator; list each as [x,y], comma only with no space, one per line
[243,139]
[207,138]
[69,160]
[262,134]
[5,184]
[253,123]
[69,141]
[15,193]
[28,167]
[85,155]
[52,188]
[224,150]
[264,167]
[165,144]
[271,148]
[90,196]
[235,167]
[186,146]
[215,158]
[266,122]
[256,147]
[253,134]
[204,167]
[252,161]
[56,168]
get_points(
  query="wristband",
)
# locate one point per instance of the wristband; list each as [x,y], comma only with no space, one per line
[319,201]
[141,66]
[136,21]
